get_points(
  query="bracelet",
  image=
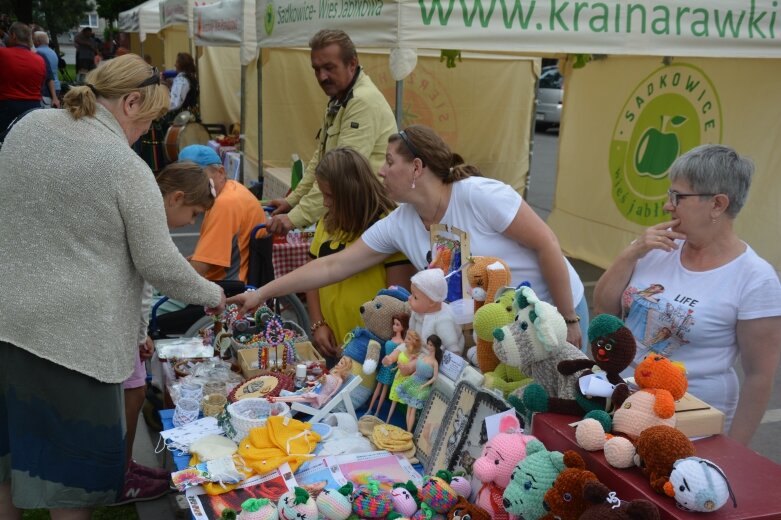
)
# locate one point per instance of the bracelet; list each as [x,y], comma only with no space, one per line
[576,319]
[316,325]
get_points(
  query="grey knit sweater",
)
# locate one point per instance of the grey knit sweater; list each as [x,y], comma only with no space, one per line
[81,225]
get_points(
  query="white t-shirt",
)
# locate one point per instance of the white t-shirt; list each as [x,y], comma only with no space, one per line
[481,207]
[691,317]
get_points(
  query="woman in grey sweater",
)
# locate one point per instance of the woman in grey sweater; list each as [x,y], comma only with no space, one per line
[82,225]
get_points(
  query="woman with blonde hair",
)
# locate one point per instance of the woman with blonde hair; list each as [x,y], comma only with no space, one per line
[83,226]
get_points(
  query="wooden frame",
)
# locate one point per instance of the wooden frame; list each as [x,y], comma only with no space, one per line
[453,427]
[447,236]
[429,425]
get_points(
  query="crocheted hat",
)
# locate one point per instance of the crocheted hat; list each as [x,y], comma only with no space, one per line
[258,509]
[432,283]
[336,504]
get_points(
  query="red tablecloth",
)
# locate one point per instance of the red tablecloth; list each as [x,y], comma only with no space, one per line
[287,257]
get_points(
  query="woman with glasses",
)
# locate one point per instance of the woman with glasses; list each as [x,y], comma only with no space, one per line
[83,225]
[433,186]
[713,297]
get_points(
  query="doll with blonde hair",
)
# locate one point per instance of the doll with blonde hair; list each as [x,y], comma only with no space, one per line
[328,386]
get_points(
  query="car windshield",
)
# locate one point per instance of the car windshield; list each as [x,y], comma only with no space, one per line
[551,78]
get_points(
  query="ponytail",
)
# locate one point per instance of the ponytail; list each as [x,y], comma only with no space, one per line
[435,154]
[81,101]
[460,171]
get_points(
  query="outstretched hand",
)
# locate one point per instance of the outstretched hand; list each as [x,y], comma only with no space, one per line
[211,311]
[661,236]
[248,302]
[281,206]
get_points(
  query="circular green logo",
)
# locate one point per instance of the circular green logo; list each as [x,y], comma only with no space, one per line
[268,19]
[673,110]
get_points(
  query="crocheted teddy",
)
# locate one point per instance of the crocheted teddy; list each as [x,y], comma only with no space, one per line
[661,383]
[405,498]
[496,463]
[565,500]
[699,485]
[465,510]
[605,505]
[297,505]
[536,342]
[486,275]
[258,509]
[658,447]
[336,504]
[370,501]
[488,318]
[531,479]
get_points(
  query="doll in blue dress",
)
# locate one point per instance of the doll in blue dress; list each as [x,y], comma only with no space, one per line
[386,373]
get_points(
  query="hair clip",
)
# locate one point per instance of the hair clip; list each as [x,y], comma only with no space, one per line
[211,189]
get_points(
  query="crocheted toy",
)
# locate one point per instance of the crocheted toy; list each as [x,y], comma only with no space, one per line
[460,485]
[488,318]
[429,314]
[699,485]
[496,463]
[658,447]
[405,498]
[465,510]
[370,501]
[258,509]
[449,56]
[297,505]
[661,383]
[486,275]
[336,504]
[536,342]
[376,315]
[565,500]
[532,478]
[605,505]
[437,494]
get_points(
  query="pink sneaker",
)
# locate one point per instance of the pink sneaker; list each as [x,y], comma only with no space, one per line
[140,470]
[140,489]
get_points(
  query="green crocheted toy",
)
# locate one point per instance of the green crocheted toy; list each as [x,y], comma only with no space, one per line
[449,56]
[524,496]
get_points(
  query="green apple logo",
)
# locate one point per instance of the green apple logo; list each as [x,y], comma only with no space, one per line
[268,21]
[657,150]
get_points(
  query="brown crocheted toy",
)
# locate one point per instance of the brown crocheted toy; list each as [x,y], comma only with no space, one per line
[607,506]
[464,508]
[658,447]
[565,500]
[486,275]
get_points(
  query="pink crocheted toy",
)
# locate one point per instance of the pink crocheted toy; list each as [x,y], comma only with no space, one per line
[336,504]
[297,505]
[258,509]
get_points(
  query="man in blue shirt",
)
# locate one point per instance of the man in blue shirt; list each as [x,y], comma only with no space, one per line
[41,42]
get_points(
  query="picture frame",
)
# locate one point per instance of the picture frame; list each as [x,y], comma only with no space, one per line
[453,427]
[450,251]
[429,424]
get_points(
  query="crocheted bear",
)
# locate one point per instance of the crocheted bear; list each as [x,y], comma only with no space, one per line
[297,505]
[258,509]
[658,447]
[605,505]
[699,485]
[370,501]
[486,275]
[494,467]
[661,383]
[465,510]
[565,500]
[536,342]
[405,498]
[531,479]
[336,504]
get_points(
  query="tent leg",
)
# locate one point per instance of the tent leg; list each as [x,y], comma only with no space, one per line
[260,114]
[243,122]
[399,102]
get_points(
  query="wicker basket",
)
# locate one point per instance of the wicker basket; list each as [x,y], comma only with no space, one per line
[252,413]
[213,404]
[267,384]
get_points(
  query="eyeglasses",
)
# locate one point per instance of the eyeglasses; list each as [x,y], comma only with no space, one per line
[154,79]
[410,146]
[674,196]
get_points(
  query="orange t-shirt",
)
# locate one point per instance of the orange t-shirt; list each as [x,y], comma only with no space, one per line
[225,233]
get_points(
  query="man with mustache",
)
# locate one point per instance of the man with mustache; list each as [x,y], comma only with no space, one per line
[357,116]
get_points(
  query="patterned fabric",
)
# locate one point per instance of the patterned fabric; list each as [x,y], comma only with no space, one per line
[289,257]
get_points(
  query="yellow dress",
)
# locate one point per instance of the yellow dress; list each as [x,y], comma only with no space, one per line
[393,396]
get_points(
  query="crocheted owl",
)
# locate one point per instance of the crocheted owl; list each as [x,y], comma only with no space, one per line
[565,500]
[370,501]
[437,494]
[605,505]
[336,504]
[258,509]
[531,479]
[465,510]
[699,485]
[658,447]
[297,505]
[405,498]
[486,275]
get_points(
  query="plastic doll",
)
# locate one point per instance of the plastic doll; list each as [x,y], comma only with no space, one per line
[400,323]
[414,391]
[405,356]
[429,312]
[323,392]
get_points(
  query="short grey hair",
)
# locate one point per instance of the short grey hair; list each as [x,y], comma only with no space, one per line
[22,33]
[40,38]
[715,168]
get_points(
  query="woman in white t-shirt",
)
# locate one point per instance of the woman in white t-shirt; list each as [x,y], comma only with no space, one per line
[432,185]
[692,291]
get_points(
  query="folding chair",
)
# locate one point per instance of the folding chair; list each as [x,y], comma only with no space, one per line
[342,396]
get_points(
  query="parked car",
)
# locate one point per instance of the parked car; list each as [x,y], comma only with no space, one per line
[550,95]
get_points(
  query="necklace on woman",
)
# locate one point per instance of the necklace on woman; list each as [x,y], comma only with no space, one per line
[434,218]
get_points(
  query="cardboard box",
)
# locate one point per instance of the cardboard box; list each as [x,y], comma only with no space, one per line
[248,357]
[697,418]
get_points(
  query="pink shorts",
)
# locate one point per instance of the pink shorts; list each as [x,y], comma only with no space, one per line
[138,377]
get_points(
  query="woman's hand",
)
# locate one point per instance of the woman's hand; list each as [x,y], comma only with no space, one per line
[661,236]
[574,334]
[324,341]
[219,308]
[146,349]
[247,301]
[280,206]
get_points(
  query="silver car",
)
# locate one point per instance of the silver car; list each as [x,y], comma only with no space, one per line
[550,95]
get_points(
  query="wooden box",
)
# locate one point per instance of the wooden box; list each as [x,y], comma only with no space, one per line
[248,357]
[697,418]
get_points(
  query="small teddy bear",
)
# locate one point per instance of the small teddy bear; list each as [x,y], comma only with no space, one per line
[532,478]
[465,510]
[605,505]
[699,485]
[258,509]
[565,500]
[371,501]
[405,498]
[486,275]
[336,504]
[658,447]
[297,505]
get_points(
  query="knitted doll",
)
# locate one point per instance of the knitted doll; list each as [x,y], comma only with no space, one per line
[437,494]
[532,478]
[465,510]
[605,505]
[405,498]
[429,314]
[258,509]
[297,505]
[486,275]
[370,501]
[494,467]
[658,447]
[336,504]
[387,372]
[328,387]
[414,391]
[699,485]
[565,500]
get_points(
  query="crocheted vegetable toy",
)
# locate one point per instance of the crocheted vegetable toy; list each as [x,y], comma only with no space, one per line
[565,500]
[496,463]
[336,504]
[460,485]
[532,478]
[661,383]
[605,505]
[489,317]
[486,275]
[437,494]
[699,485]
[405,498]
[258,509]
[658,447]
[465,510]
[536,342]
[370,501]
[297,505]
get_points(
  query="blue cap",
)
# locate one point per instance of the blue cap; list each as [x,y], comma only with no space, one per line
[199,154]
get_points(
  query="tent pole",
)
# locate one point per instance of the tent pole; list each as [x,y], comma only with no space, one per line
[259,65]
[243,122]
[399,102]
